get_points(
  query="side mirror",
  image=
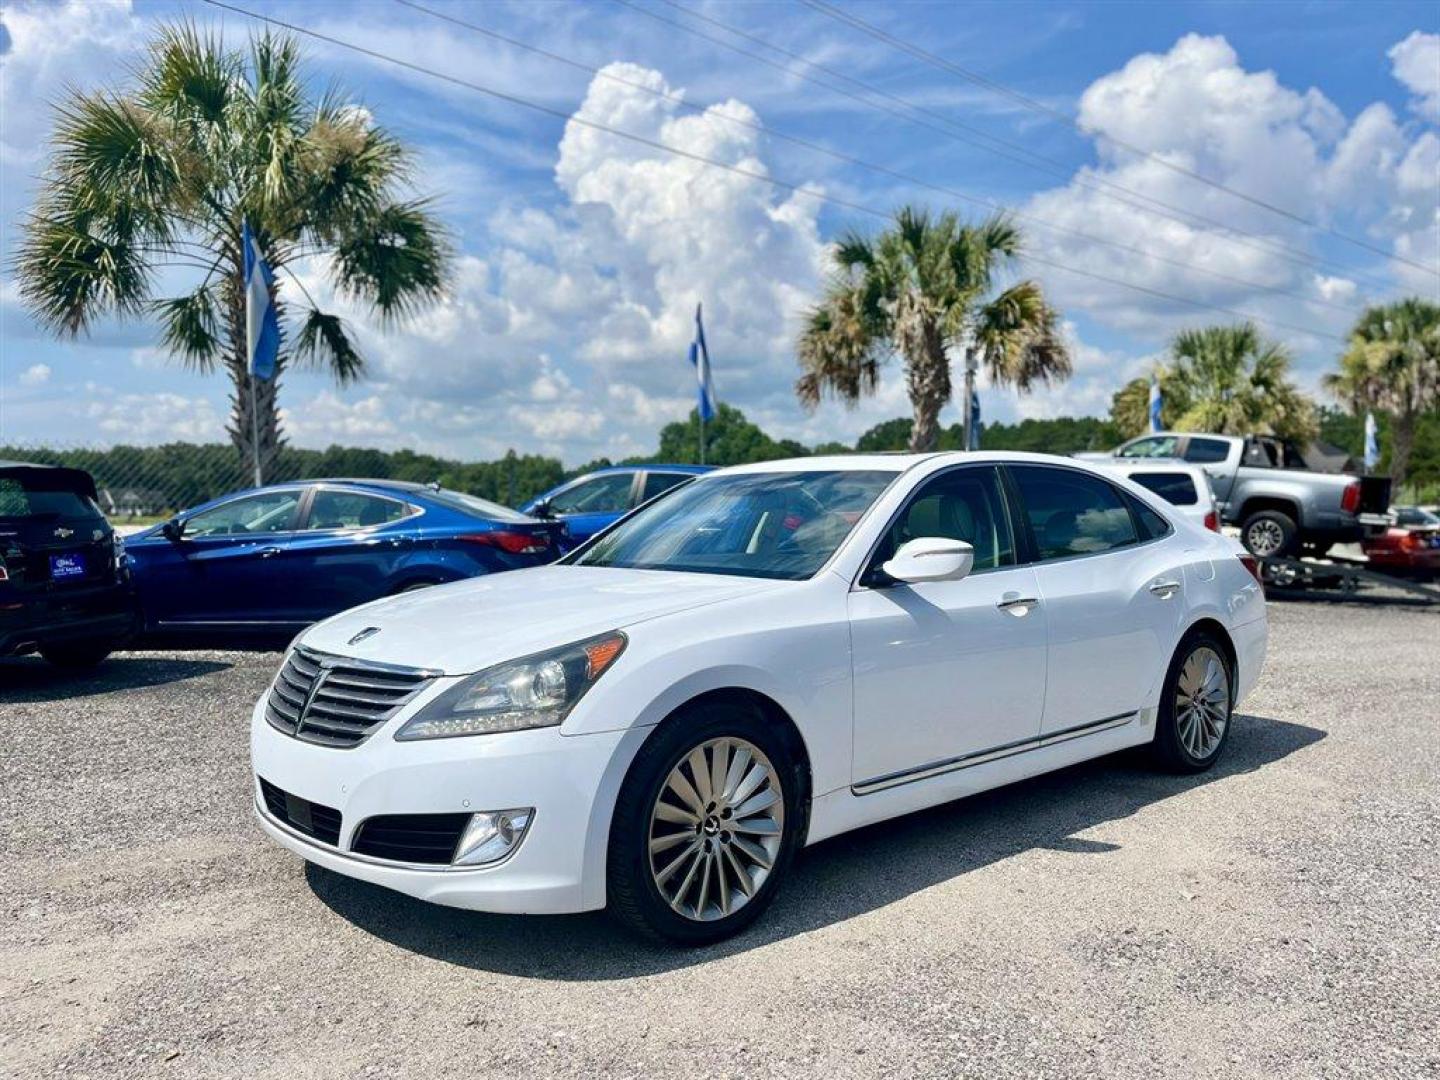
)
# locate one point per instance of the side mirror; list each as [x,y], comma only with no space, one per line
[542,510]
[931,558]
[173,529]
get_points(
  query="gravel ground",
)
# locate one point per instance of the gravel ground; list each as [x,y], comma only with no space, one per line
[1278,917]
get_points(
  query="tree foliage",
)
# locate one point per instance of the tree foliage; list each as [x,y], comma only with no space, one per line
[921,287]
[140,209]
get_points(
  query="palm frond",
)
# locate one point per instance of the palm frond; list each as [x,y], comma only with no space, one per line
[69,276]
[1019,336]
[324,343]
[396,260]
[190,77]
[190,327]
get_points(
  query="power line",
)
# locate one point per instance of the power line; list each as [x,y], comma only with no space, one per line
[680,101]
[961,132]
[838,15]
[655,144]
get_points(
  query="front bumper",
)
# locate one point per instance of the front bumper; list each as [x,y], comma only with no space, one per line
[570,781]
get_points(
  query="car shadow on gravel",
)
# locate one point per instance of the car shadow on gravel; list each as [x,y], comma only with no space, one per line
[830,882]
[32,679]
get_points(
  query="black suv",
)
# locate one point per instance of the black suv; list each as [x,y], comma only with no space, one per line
[64,588]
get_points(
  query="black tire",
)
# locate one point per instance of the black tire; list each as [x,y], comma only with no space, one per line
[1169,748]
[77,655]
[1269,534]
[633,896]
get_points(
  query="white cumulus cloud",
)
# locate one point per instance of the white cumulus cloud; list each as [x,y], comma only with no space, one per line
[1416,63]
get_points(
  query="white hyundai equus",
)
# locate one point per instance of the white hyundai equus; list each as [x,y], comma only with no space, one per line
[760,659]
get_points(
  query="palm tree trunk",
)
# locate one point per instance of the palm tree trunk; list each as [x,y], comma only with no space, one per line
[927,379]
[251,414]
[1402,441]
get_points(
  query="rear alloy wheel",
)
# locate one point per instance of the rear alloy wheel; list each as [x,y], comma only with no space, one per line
[77,655]
[705,826]
[1195,708]
[1269,534]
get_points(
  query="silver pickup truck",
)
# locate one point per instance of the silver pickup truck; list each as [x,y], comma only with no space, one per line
[1282,503]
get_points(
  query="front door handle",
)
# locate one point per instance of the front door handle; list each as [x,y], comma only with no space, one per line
[269,552]
[1165,589]
[1016,604]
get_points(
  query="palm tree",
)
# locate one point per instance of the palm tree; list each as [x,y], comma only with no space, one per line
[920,287]
[1232,380]
[146,190]
[1393,363]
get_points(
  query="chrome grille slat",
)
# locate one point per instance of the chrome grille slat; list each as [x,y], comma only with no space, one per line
[338,701]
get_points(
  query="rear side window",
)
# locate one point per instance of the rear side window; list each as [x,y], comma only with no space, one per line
[657,482]
[19,499]
[353,510]
[1073,513]
[1176,488]
[1206,451]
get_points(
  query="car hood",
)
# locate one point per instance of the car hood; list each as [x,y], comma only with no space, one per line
[468,625]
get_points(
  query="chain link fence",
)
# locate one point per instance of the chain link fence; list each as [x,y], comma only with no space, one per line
[143,484]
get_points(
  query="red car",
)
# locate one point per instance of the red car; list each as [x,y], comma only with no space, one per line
[1411,546]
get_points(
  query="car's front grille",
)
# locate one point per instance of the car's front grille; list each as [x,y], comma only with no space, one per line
[414,838]
[312,819]
[336,701]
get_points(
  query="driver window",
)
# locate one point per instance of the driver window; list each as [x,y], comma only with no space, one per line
[963,504]
[1160,446]
[273,511]
[600,495]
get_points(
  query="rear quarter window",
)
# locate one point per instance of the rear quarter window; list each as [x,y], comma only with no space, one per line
[1176,488]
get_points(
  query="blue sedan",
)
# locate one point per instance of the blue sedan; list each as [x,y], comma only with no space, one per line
[596,500]
[270,561]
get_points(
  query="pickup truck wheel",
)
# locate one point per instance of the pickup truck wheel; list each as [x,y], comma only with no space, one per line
[1269,534]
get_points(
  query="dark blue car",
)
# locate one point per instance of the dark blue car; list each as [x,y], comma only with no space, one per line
[589,503]
[270,561]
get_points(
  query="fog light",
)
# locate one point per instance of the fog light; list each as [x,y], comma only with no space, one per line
[492,835]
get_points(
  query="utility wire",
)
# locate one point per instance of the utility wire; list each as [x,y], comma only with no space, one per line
[799,189]
[954,129]
[680,101]
[841,16]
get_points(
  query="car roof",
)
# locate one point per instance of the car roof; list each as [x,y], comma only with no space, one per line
[899,463]
[650,466]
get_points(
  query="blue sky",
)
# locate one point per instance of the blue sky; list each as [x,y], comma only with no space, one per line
[582,255]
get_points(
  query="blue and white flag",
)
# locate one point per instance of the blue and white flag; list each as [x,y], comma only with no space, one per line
[262,328]
[975,425]
[700,357]
[1372,443]
[1155,403]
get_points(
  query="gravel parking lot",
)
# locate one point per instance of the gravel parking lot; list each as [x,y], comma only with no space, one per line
[1279,917]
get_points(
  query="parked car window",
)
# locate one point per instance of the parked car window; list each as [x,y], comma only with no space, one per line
[271,511]
[1260,455]
[1073,513]
[473,504]
[597,495]
[1206,451]
[963,504]
[656,482]
[1157,446]
[1152,525]
[1176,488]
[768,525]
[27,499]
[1414,516]
[332,509]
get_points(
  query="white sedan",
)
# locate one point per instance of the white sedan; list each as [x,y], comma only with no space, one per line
[761,659]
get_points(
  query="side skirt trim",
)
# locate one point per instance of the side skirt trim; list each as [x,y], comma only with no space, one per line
[981,757]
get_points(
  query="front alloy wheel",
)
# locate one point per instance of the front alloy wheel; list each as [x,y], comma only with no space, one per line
[715,829]
[706,823]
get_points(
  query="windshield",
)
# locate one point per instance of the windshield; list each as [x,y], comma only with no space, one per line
[771,525]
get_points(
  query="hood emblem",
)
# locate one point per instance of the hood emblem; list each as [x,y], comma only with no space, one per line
[64,533]
[368,632]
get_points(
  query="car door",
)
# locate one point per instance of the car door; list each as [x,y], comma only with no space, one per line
[220,568]
[593,502]
[946,669]
[344,552]
[1112,592]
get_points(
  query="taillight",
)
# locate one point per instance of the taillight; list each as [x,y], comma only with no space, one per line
[1212,521]
[1253,565]
[4,574]
[516,543]
[1410,541]
[1350,500]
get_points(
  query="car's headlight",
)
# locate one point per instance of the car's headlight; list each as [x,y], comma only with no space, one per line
[534,692]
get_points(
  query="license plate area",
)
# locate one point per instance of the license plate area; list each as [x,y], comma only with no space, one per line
[68,567]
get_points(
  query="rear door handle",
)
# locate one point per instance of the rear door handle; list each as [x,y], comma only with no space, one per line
[1016,604]
[1165,589]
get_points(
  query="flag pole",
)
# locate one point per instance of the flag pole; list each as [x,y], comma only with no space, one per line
[255,428]
[701,413]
